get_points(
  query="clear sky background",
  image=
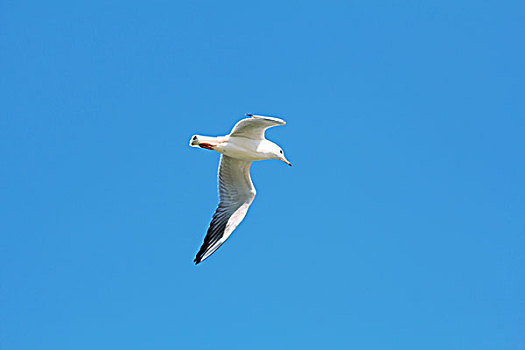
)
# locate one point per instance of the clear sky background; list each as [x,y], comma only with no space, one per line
[400,226]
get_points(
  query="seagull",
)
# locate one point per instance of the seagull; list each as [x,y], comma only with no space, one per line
[245,143]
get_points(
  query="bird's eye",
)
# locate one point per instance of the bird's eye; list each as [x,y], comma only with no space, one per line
[281,151]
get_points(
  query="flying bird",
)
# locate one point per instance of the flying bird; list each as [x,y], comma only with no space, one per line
[245,143]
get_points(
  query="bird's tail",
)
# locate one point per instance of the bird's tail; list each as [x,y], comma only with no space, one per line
[207,142]
[196,140]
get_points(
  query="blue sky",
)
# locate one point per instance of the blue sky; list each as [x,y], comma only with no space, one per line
[400,226]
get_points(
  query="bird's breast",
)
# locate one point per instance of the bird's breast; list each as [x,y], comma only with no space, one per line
[243,148]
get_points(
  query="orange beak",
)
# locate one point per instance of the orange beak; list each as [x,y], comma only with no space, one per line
[287,162]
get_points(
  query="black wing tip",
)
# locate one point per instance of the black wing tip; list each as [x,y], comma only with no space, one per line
[200,254]
[279,121]
[198,259]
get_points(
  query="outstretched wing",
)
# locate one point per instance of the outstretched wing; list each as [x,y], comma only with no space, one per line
[236,193]
[254,127]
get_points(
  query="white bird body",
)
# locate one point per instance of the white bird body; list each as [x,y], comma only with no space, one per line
[237,147]
[246,143]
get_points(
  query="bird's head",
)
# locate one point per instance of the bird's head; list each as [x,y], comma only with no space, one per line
[279,154]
